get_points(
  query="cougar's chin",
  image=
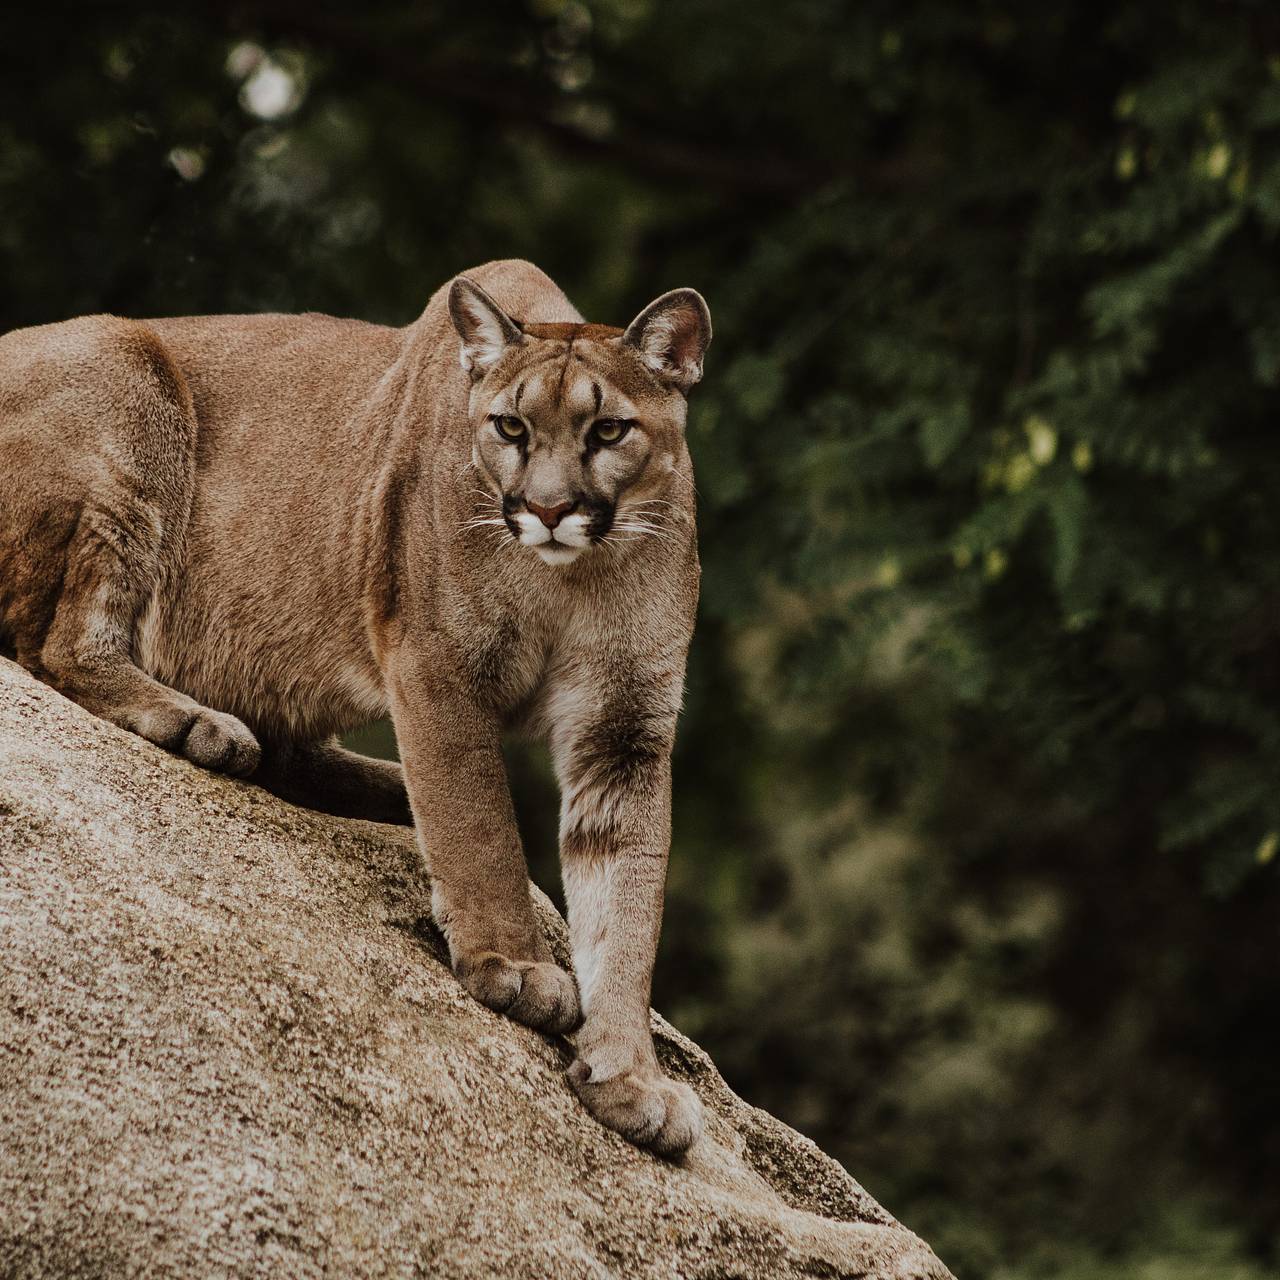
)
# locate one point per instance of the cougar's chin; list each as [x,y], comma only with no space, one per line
[558,553]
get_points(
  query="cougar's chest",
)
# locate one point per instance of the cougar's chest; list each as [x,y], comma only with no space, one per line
[504,655]
[520,652]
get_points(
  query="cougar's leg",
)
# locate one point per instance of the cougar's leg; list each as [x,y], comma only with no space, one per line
[467,831]
[87,654]
[328,777]
[612,750]
[98,533]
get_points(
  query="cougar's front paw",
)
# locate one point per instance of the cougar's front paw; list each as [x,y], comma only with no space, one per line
[645,1107]
[537,993]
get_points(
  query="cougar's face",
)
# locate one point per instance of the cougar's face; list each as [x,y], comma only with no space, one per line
[577,429]
[575,447]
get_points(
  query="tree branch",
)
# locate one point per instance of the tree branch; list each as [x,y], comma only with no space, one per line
[493,92]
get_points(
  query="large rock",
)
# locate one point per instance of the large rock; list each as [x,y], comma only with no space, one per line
[230,1046]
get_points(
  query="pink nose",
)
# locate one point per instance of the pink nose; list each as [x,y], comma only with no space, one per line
[551,516]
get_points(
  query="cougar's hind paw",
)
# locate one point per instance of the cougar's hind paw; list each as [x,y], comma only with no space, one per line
[220,742]
[211,739]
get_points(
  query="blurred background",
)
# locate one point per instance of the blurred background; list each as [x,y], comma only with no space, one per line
[975,876]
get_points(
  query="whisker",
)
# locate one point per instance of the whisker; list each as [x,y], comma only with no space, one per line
[627,533]
[642,526]
[685,480]
[499,543]
[650,502]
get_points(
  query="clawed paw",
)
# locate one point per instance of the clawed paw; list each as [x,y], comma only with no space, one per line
[537,993]
[646,1108]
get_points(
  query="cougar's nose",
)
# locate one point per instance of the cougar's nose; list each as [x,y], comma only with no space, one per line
[550,516]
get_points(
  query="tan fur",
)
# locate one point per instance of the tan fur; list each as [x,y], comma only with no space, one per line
[241,536]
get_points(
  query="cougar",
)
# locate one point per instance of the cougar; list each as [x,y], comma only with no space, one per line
[241,536]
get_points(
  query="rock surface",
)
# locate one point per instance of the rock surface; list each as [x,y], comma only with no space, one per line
[229,1046]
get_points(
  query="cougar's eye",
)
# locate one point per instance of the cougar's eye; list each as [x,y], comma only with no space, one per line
[609,430]
[509,428]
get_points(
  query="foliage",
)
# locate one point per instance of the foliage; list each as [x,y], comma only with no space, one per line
[975,864]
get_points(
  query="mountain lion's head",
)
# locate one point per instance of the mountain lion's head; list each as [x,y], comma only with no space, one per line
[579,427]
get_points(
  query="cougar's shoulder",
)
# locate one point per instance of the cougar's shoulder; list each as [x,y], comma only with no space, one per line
[524,291]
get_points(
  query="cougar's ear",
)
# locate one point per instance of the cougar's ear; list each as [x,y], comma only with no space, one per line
[671,334]
[485,329]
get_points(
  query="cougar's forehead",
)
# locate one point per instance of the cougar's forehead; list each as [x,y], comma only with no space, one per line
[566,391]
[571,371]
